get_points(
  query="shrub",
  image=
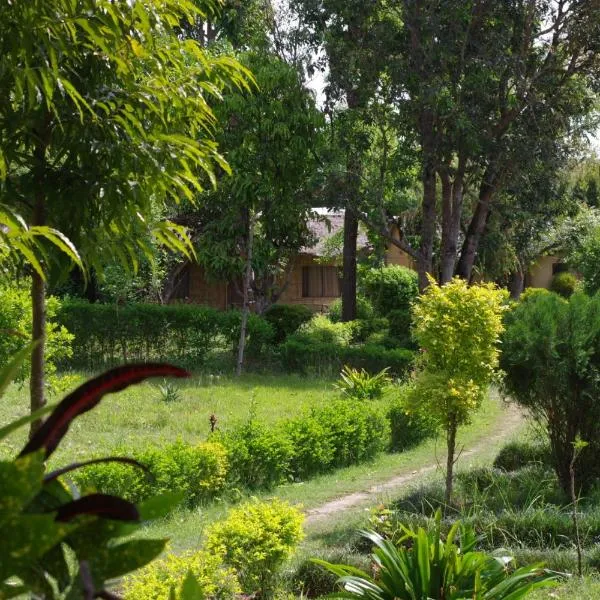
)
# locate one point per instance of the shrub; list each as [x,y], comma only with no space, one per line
[320,330]
[256,539]
[359,385]
[586,260]
[15,331]
[259,456]
[285,319]
[313,450]
[155,581]
[388,288]
[259,332]
[198,471]
[363,329]
[516,455]
[400,322]
[564,284]
[364,309]
[357,432]
[299,354]
[408,428]
[551,357]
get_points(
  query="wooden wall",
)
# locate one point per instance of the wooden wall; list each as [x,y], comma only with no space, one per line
[207,292]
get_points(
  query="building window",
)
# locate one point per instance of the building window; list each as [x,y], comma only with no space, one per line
[181,288]
[320,282]
[559,267]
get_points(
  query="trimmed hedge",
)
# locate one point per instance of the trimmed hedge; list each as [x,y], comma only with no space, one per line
[286,319]
[301,355]
[108,333]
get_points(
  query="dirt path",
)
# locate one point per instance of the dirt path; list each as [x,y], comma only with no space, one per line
[511,420]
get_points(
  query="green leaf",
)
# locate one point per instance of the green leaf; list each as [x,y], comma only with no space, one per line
[115,561]
[191,590]
[8,372]
[158,507]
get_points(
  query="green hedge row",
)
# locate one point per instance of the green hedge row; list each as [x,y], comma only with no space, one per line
[107,334]
[110,333]
[256,456]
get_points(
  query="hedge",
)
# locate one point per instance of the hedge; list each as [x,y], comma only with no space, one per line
[108,333]
[299,355]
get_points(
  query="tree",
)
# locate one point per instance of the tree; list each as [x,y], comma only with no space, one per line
[250,229]
[104,113]
[458,328]
[551,360]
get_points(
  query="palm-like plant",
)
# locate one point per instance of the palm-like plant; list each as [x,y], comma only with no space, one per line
[425,567]
[361,385]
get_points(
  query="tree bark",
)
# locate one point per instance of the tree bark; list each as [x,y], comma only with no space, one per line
[245,305]
[349,266]
[517,283]
[451,447]
[38,330]
[452,201]
[468,253]
[425,262]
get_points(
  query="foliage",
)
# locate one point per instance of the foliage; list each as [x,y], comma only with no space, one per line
[407,426]
[389,288]
[313,448]
[169,391]
[364,310]
[584,258]
[198,472]
[516,455]
[270,135]
[564,284]
[56,542]
[321,330]
[400,320]
[156,581]
[357,384]
[551,359]
[458,328]
[255,539]
[259,455]
[106,333]
[357,432]
[286,319]
[425,566]
[15,326]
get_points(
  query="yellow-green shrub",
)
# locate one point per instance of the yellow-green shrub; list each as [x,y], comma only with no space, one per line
[155,581]
[256,539]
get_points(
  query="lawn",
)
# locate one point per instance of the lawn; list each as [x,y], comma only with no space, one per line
[139,416]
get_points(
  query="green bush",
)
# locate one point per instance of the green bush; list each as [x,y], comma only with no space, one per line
[364,309]
[300,355]
[155,581]
[198,471]
[388,288]
[321,330]
[313,450]
[564,284]
[400,323]
[256,539]
[285,319]
[551,359]
[357,432]
[357,384]
[408,427]
[516,455]
[182,333]
[259,455]
[363,329]
[15,331]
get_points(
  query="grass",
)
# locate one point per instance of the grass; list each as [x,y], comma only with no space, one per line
[138,416]
[587,588]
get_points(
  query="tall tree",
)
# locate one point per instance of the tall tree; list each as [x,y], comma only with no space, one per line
[104,112]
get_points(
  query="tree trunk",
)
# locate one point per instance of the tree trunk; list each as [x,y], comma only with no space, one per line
[452,201]
[245,305]
[476,229]
[451,446]
[38,330]
[425,263]
[349,263]
[517,283]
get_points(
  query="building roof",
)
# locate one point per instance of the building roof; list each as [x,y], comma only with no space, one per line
[326,226]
